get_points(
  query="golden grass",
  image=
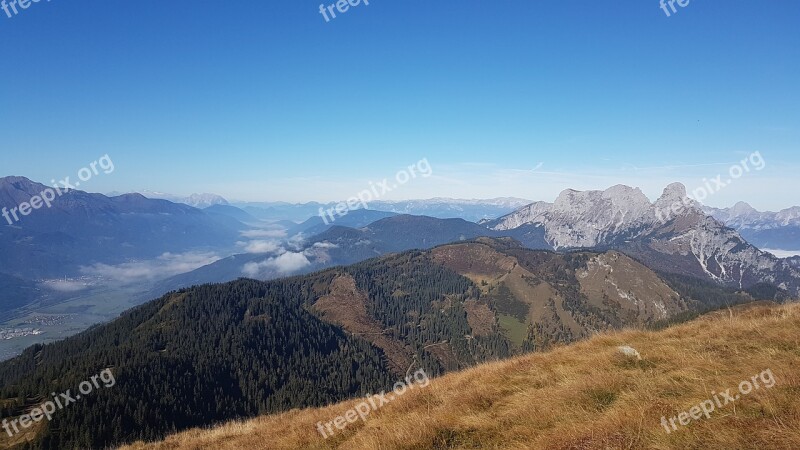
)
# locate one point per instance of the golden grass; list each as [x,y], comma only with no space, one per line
[24,436]
[585,396]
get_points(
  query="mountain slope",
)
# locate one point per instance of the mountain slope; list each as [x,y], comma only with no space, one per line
[226,351]
[586,396]
[15,292]
[541,298]
[353,219]
[192,358]
[106,238]
[231,211]
[81,229]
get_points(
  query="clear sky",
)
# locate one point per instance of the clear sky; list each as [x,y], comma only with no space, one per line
[265,100]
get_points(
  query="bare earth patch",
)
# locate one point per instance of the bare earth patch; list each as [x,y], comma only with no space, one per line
[346,306]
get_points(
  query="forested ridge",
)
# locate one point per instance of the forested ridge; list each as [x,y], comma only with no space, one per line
[191,358]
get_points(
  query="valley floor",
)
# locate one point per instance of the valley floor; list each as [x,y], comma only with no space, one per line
[584,396]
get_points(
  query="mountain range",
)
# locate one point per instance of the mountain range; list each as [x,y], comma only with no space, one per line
[82,230]
[672,234]
[443,208]
[200,201]
[330,311]
[767,230]
[334,245]
[91,234]
[226,351]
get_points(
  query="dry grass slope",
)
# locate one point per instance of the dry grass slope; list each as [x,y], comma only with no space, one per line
[585,396]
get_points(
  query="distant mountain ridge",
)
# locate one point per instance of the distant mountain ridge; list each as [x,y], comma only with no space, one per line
[773,230]
[689,243]
[355,219]
[81,229]
[337,245]
[200,201]
[472,210]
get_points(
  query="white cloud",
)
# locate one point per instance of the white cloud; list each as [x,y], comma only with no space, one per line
[783,253]
[297,241]
[284,264]
[325,244]
[65,285]
[166,265]
[290,262]
[259,246]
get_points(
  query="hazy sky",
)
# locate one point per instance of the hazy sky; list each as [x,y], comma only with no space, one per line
[264,100]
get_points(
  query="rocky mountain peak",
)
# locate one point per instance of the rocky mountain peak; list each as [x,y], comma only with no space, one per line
[674,192]
[742,208]
[628,199]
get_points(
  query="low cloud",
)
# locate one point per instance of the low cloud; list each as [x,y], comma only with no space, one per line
[286,263]
[324,245]
[782,253]
[289,262]
[259,246]
[65,285]
[166,265]
[297,241]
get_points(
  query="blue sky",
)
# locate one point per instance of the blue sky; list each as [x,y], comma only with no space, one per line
[264,100]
